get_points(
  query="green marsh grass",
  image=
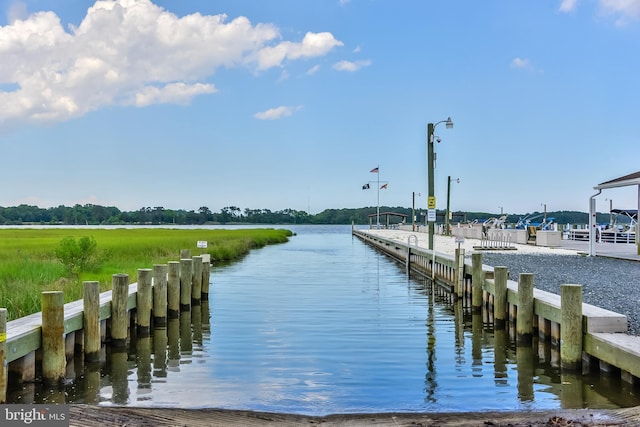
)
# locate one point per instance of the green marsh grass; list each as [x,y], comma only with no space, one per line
[28,265]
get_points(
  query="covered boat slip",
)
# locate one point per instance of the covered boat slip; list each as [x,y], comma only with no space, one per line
[621,228]
[632,179]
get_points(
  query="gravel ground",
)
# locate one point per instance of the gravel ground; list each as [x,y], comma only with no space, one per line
[608,283]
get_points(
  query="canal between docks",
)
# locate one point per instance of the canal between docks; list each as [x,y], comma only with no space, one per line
[326,324]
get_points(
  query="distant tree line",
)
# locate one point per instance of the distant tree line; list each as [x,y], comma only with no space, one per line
[90,214]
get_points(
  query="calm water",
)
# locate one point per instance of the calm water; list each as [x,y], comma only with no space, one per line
[324,324]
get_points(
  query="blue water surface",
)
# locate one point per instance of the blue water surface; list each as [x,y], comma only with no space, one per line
[326,324]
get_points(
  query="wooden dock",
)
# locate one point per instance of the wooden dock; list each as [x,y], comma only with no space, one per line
[44,342]
[587,337]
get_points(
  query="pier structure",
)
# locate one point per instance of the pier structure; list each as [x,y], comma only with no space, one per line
[584,337]
[42,346]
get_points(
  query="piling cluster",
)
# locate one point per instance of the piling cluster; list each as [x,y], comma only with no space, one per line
[585,337]
[48,340]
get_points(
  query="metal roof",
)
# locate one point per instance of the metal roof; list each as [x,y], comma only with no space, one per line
[623,181]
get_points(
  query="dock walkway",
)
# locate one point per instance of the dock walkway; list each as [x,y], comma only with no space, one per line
[603,341]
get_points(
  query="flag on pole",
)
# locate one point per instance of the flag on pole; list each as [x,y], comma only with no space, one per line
[365,187]
[374,170]
[383,187]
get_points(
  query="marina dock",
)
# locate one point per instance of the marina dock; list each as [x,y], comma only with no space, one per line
[587,337]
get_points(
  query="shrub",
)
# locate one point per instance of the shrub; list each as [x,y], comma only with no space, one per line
[77,256]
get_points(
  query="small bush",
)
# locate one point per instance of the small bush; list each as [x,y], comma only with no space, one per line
[77,256]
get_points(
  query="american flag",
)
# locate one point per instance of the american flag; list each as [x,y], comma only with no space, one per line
[374,170]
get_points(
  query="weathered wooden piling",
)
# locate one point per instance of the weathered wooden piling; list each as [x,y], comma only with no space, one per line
[524,316]
[477,280]
[500,314]
[186,276]
[459,274]
[173,290]
[160,295]
[91,321]
[119,314]
[3,355]
[54,361]
[206,278]
[144,301]
[196,280]
[571,326]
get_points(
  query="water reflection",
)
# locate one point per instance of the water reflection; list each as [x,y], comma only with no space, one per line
[431,384]
[160,343]
[143,365]
[326,325]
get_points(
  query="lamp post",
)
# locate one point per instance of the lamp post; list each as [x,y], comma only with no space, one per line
[446,220]
[431,201]
[413,211]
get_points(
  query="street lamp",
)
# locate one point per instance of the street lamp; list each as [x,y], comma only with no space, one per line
[413,211]
[446,220]
[431,201]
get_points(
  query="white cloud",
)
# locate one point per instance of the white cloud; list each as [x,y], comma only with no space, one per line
[522,63]
[312,45]
[313,69]
[129,52]
[351,65]
[623,10]
[276,113]
[568,5]
[174,93]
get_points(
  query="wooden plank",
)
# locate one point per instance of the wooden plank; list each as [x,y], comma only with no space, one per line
[617,349]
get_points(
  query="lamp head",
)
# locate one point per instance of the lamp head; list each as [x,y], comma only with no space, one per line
[449,123]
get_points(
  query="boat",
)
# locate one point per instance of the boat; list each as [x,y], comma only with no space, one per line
[620,229]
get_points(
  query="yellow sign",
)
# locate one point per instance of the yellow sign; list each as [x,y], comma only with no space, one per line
[431,202]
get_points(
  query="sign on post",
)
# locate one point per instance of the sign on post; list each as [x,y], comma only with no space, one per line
[431,215]
[202,244]
[431,202]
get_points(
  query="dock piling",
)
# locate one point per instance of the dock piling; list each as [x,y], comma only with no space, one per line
[91,321]
[206,278]
[119,314]
[3,355]
[173,290]
[144,299]
[524,316]
[500,314]
[196,280]
[160,295]
[571,326]
[54,360]
[186,276]
[477,281]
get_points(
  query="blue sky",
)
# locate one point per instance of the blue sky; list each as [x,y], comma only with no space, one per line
[266,104]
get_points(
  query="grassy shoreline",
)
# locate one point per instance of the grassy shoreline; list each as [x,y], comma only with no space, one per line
[29,265]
